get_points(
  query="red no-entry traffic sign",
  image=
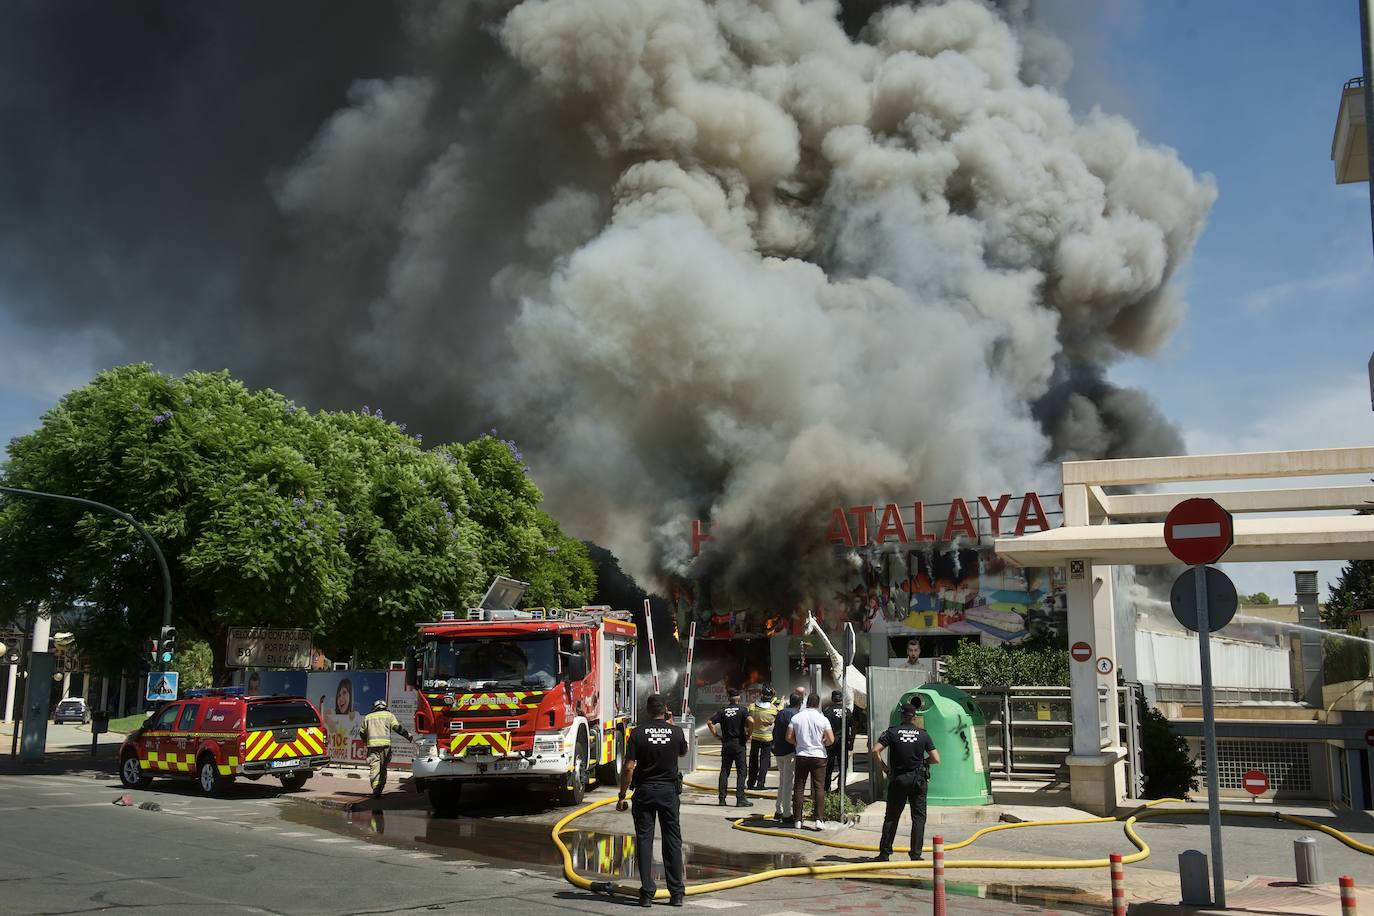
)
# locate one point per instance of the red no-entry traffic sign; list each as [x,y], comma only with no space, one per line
[1255,782]
[1198,531]
[1081,652]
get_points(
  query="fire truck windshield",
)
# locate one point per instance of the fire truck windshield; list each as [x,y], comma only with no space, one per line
[484,663]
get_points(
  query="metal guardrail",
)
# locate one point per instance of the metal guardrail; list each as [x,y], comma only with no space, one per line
[1030,730]
[1224,696]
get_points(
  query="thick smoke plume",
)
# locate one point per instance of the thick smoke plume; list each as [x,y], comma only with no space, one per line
[738,260]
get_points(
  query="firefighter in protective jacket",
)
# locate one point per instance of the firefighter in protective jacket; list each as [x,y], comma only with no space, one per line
[376,729]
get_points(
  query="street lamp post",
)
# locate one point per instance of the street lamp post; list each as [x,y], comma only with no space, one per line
[40,661]
[111,510]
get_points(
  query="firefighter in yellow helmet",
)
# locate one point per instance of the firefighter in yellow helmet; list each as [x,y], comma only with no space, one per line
[375,730]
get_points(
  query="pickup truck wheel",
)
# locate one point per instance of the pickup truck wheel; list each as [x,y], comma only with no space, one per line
[576,788]
[208,780]
[294,782]
[444,795]
[131,774]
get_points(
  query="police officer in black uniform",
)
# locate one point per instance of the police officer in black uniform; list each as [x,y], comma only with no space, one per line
[910,753]
[839,717]
[731,725]
[651,766]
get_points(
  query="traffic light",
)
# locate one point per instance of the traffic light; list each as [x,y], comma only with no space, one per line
[152,652]
[169,644]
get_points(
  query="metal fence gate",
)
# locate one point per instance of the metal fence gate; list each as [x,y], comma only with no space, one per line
[1030,731]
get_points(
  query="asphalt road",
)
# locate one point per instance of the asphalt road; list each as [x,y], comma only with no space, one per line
[65,848]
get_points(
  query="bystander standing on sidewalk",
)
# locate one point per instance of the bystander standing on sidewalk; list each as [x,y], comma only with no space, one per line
[810,733]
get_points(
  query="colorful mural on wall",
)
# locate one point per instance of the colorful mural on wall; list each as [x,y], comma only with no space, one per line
[908,586]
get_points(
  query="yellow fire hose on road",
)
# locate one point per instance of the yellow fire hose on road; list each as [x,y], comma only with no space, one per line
[1145,812]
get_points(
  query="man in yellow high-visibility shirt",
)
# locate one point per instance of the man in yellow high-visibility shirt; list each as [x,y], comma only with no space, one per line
[375,730]
[762,712]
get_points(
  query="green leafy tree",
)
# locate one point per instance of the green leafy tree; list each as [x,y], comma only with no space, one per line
[516,537]
[1170,770]
[197,460]
[269,515]
[195,663]
[1353,592]
[1346,659]
[1258,598]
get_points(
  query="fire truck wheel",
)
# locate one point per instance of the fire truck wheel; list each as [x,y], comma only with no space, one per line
[608,774]
[576,787]
[131,773]
[208,780]
[295,782]
[444,795]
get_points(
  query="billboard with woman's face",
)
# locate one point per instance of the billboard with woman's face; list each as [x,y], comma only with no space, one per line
[344,697]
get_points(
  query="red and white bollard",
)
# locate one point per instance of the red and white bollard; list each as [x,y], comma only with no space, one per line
[1118,886]
[1347,896]
[937,853]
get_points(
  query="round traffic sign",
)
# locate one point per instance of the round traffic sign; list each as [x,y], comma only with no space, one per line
[1198,531]
[1081,652]
[1104,665]
[1222,600]
[1255,782]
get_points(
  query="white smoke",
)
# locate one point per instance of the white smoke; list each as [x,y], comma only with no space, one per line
[833,270]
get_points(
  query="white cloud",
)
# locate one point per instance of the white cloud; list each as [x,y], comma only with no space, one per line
[1294,295]
[1333,416]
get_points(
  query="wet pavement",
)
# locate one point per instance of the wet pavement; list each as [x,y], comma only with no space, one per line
[500,828]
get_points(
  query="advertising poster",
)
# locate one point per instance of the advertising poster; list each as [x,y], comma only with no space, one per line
[344,697]
[275,684]
[401,700]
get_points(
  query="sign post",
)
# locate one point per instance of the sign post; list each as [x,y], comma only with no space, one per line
[1198,532]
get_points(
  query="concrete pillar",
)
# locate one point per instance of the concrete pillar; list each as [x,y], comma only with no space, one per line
[1104,646]
[105,692]
[1082,675]
[1096,779]
[123,687]
[778,661]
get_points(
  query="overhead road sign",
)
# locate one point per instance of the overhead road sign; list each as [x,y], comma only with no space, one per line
[260,647]
[1198,531]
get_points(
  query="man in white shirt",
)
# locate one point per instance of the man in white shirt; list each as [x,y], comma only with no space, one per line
[811,733]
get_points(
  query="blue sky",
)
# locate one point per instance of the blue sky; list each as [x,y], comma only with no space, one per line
[1279,331]
[1273,351]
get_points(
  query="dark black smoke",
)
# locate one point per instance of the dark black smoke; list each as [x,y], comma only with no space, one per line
[141,175]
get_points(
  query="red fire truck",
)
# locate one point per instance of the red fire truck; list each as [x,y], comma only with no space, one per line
[536,696]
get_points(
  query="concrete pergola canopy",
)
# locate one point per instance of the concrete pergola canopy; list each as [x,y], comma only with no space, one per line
[1089,512]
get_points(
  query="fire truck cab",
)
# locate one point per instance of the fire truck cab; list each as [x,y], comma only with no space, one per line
[542,696]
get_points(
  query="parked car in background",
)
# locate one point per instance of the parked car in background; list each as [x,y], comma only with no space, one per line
[73,709]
